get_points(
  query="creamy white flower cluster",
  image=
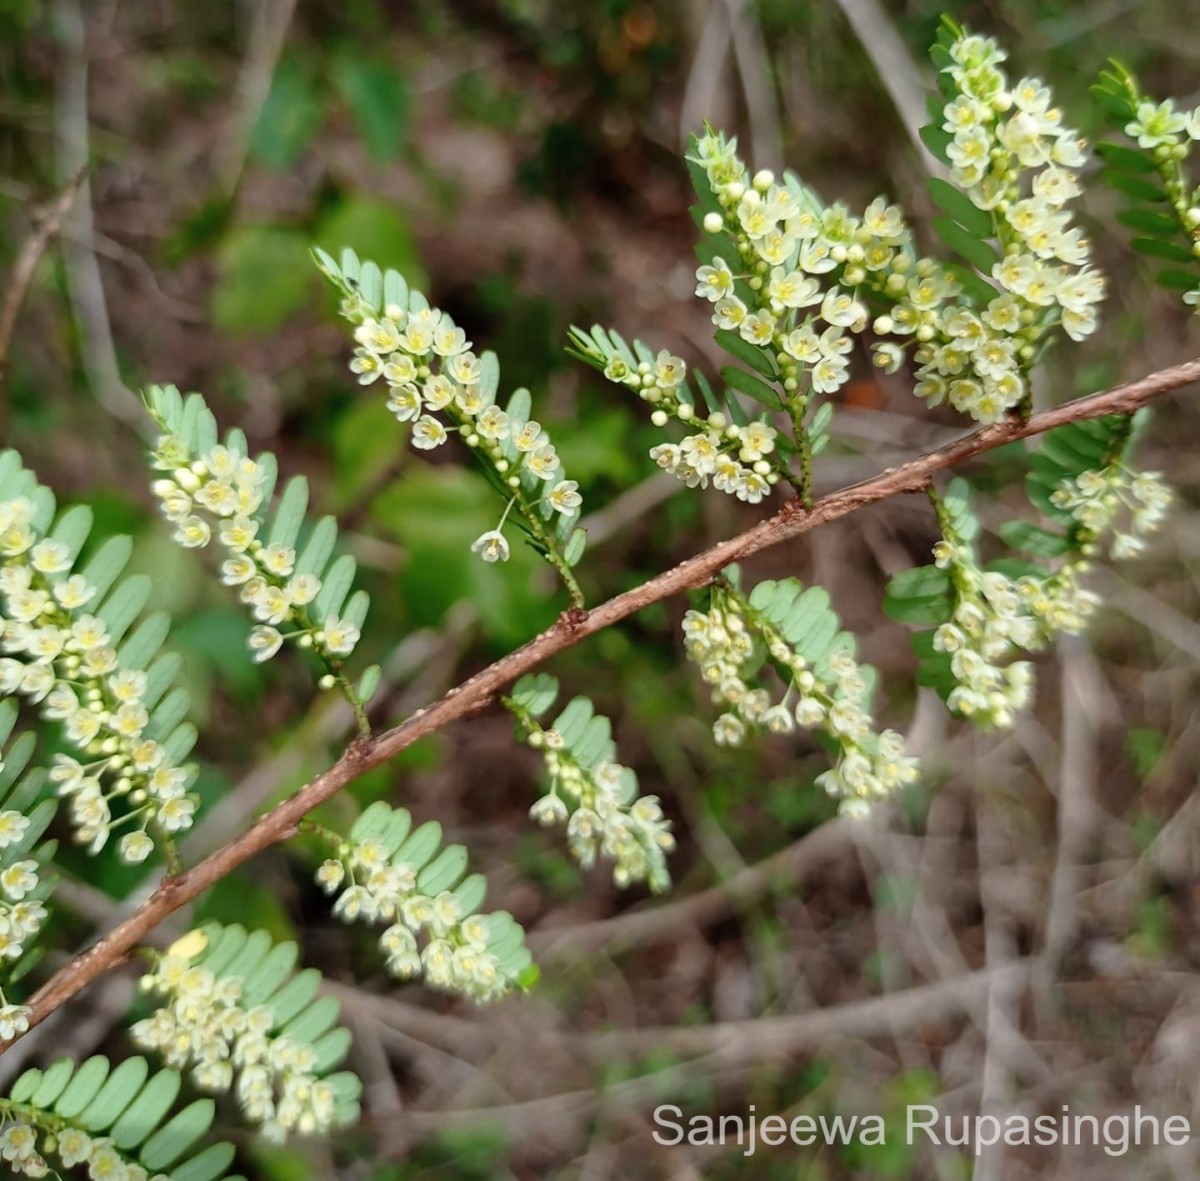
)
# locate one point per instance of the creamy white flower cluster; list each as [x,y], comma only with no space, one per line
[427,363]
[605,815]
[59,655]
[427,936]
[794,254]
[1012,157]
[831,695]
[990,620]
[736,458]
[994,616]
[772,295]
[1098,499]
[202,1025]
[220,494]
[21,915]
[96,1157]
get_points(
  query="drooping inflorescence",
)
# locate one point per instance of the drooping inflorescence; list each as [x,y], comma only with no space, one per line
[593,795]
[987,615]
[388,872]
[825,687]
[438,385]
[65,650]
[738,456]
[215,492]
[25,882]
[232,1013]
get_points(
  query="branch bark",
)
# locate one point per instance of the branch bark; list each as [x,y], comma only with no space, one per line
[474,694]
[47,225]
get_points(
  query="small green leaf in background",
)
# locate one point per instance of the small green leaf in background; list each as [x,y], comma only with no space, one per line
[290,118]
[435,514]
[264,275]
[1145,747]
[365,442]
[379,99]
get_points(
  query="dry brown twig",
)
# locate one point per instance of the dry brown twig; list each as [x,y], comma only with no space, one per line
[474,694]
[47,223]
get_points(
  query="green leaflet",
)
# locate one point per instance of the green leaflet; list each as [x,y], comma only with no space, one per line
[936,140]
[919,595]
[576,544]
[1134,186]
[749,354]
[1034,540]
[1149,221]
[289,513]
[1124,159]
[966,245]
[933,668]
[571,723]
[960,208]
[752,387]
[444,871]
[420,846]
[1176,280]
[130,1106]
[535,693]
[368,683]
[1159,248]
[802,616]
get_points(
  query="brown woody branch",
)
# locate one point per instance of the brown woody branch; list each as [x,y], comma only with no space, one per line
[47,224]
[790,521]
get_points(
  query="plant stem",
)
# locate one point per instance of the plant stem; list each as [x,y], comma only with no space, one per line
[475,693]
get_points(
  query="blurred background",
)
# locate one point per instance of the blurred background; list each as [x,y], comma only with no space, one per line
[1018,932]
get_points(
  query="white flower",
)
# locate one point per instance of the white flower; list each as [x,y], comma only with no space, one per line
[339,636]
[757,439]
[1154,126]
[12,827]
[714,282]
[18,879]
[264,643]
[548,811]
[330,875]
[135,847]
[428,433]
[669,371]
[14,1020]
[491,546]
[564,497]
